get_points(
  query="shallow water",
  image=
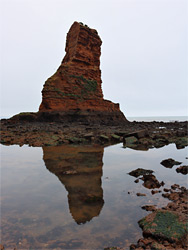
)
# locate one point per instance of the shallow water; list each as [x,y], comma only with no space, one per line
[71,197]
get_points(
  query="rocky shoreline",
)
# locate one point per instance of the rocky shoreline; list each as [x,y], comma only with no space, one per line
[136,135]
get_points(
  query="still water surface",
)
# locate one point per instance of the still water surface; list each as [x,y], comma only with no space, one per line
[71,197]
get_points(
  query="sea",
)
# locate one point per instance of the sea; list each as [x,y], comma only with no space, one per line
[158,118]
[145,118]
[80,197]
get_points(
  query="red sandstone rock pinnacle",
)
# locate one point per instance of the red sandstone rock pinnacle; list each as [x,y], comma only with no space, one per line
[77,83]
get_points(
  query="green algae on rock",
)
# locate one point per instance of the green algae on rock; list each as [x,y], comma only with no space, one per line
[167,225]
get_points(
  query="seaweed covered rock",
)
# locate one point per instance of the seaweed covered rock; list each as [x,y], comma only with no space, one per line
[166,228]
[166,225]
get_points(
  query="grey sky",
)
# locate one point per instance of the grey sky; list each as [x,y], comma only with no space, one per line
[144,59]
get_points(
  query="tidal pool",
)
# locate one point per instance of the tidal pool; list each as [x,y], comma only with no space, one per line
[78,197]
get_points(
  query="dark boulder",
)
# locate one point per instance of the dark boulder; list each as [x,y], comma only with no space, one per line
[182,169]
[169,163]
[140,171]
[150,181]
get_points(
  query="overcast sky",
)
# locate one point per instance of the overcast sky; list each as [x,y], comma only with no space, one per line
[144,59]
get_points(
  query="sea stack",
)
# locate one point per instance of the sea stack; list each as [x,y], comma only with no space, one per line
[75,88]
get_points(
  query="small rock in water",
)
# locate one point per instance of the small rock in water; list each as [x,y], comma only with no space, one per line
[140,171]
[150,181]
[182,169]
[169,163]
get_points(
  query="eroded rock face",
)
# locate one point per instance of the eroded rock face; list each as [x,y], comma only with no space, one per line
[77,83]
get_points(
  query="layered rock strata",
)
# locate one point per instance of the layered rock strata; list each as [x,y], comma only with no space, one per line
[76,86]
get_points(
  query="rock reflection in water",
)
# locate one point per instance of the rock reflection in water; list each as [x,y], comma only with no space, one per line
[80,171]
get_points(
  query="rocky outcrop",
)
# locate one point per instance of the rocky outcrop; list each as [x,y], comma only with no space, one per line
[76,86]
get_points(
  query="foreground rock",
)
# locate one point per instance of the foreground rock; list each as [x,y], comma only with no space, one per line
[166,228]
[166,225]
